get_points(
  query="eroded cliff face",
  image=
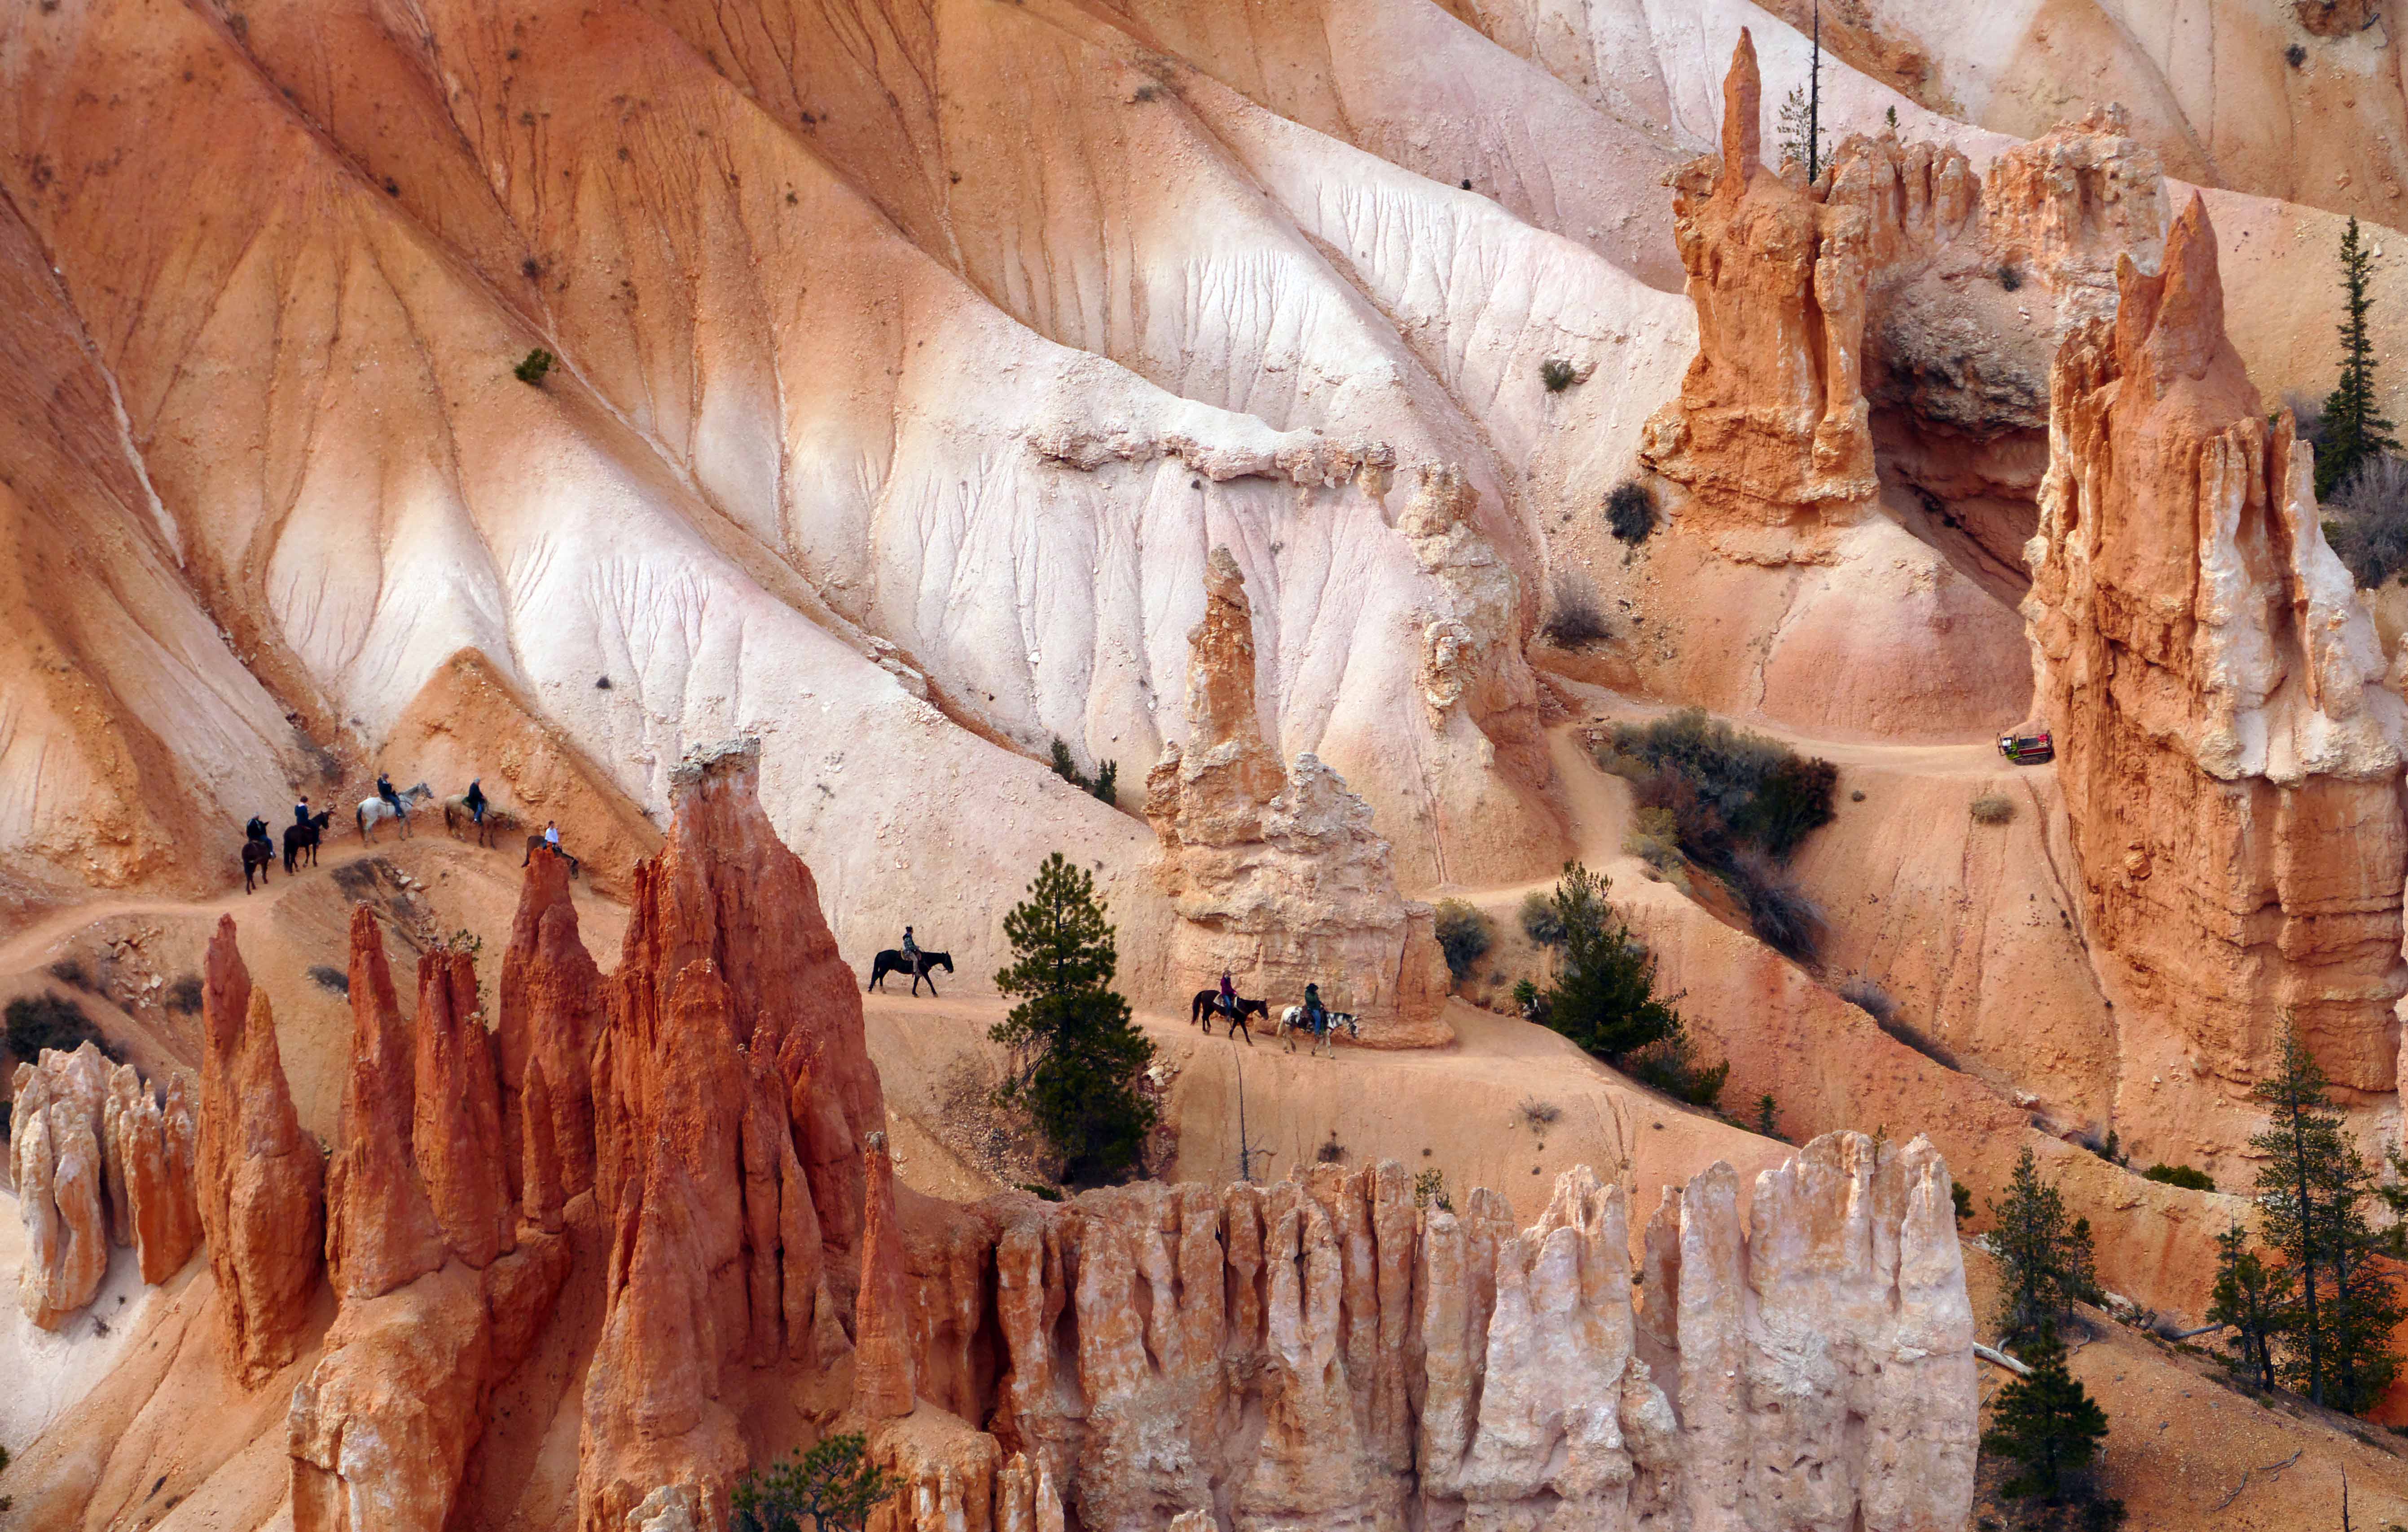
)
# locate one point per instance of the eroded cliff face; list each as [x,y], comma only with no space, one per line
[2231,761]
[1276,872]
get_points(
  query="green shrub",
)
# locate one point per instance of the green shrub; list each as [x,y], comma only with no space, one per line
[2010,278]
[1993,809]
[1104,784]
[49,1020]
[1630,512]
[1463,935]
[533,366]
[2188,1177]
[1540,922]
[1557,373]
[1778,911]
[1671,1064]
[1429,1190]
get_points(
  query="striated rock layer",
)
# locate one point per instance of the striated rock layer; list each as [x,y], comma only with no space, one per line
[1275,872]
[2229,759]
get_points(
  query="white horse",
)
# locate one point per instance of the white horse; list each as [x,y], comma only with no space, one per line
[1291,1020]
[375,811]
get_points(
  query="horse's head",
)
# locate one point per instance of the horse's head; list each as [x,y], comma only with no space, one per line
[942,959]
[418,794]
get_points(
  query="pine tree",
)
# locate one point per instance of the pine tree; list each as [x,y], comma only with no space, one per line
[835,1484]
[2255,1299]
[1082,1056]
[2047,1424]
[2312,1192]
[1604,996]
[1815,102]
[2354,429]
[2045,1263]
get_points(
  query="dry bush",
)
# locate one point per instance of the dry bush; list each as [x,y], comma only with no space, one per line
[1993,809]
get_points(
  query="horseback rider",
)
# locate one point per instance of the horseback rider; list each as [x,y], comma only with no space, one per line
[1228,994]
[476,801]
[1316,1016]
[911,951]
[384,790]
[256,829]
[551,837]
[301,812]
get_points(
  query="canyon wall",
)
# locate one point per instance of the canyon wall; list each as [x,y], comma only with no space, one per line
[1275,871]
[2230,757]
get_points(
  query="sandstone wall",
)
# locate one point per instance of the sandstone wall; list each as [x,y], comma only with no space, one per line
[2230,758]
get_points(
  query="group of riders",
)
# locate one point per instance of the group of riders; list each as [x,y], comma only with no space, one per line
[1311,1016]
[308,825]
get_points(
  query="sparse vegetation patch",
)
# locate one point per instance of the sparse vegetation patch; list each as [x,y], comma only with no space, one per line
[1463,935]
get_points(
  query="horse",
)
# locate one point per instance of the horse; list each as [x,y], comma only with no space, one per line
[1291,1020]
[1207,1005]
[374,811]
[536,843]
[456,813]
[256,855]
[299,839]
[891,961]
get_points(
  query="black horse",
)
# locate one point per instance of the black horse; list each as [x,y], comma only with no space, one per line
[891,961]
[300,839]
[257,852]
[1207,1005]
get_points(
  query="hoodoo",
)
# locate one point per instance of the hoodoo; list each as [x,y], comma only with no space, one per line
[2230,754]
[1276,872]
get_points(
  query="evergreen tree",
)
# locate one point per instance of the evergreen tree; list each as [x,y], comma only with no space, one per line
[1080,1056]
[1604,995]
[835,1484]
[2255,1299]
[2048,1424]
[2045,1263]
[2354,430]
[2312,1192]
[1815,102]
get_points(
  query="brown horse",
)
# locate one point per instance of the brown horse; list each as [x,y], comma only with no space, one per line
[256,857]
[1207,1005]
[455,814]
